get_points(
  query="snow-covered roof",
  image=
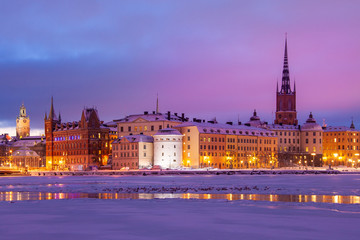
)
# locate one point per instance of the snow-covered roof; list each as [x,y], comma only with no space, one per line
[25,152]
[339,129]
[283,127]
[167,131]
[311,127]
[111,124]
[150,118]
[28,141]
[135,138]
[227,129]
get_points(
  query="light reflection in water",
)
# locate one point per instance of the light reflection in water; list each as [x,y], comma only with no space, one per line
[25,196]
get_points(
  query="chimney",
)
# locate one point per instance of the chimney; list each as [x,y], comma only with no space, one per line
[229,123]
[168,115]
[194,120]
[239,123]
[153,112]
[175,114]
[146,113]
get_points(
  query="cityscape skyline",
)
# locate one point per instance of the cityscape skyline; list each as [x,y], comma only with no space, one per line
[184,66]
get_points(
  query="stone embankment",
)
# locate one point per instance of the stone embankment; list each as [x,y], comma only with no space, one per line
[185,172]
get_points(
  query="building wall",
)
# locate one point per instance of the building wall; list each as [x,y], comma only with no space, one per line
[311,142]
[341,148]
[77,149]
[286,109]
[125,155]
[212,150]
[288,140]
[146,154]
[142,126]
[26,161]
[191,146]
[168,151]
[227,150]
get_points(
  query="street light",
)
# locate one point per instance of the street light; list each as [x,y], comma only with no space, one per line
[313,154]
[357,162]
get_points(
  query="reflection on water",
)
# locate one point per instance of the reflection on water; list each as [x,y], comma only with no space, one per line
[24,196]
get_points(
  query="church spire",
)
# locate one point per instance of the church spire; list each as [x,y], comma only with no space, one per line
[285,85]
[157,103]
[352,126]
[52,115]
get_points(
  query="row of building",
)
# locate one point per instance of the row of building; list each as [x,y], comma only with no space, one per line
[171,140]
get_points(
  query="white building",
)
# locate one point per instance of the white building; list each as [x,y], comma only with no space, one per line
[168,148]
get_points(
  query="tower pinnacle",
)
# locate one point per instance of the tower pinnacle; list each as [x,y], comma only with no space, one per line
[157,103]
[285,85]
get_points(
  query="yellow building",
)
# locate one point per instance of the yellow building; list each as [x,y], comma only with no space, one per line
[341,146]
[227,146]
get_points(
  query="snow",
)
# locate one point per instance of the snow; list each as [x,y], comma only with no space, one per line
[181,218]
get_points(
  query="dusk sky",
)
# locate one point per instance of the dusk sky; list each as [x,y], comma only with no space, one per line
[204,58]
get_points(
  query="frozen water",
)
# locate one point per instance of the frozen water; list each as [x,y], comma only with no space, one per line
[181,218]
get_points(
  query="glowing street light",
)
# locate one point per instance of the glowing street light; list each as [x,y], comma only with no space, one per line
[313,154]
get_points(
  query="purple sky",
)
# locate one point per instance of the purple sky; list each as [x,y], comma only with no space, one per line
[205,58]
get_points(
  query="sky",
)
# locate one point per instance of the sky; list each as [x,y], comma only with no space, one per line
[205,58]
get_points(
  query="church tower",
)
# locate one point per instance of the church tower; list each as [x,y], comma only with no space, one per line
[50,122]
[22,123]
[286,98]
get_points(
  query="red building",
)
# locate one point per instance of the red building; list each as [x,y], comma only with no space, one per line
[76,145]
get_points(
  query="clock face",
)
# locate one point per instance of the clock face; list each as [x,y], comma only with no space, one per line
[17,121]
[24,121]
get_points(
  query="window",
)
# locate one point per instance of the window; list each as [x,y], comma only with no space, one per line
[162,154]
[162,146]
[144,146]
[188,138]
[152,128]
[188,147]
[314,140]
[160,127]
[188,130]
[306,140]
[129,129]
[174,146]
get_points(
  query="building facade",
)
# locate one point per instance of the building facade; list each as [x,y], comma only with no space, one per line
[341,146]
[76,145]
[226,146]
[168,147]
[147,123]
[132,152]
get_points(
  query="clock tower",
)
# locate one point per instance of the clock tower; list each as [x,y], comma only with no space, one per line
[22,123]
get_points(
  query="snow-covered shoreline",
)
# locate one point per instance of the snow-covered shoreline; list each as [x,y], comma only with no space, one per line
[262,184]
